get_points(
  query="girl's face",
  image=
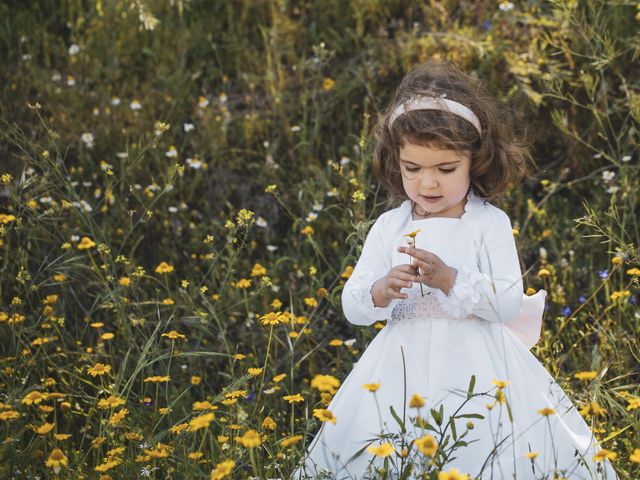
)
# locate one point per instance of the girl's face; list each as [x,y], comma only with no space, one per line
[436,180]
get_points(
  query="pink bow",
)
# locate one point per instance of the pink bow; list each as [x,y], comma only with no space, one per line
[528,324]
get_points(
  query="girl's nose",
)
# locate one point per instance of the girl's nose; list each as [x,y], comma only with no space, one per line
[428,181]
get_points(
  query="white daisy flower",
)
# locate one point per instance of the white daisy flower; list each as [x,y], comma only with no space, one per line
[56,77]
[173,209]
[188,127]
[505,6]
[96,111]
[608,175]
[104,166]
[74,49]
[261,222]
[626,158]
[26,57]
[344,160]
[311,217]
[115,101]
[318,206]
[272,248]
[87,138]
[613,189]
[296,128]
[122,155]
[172,152]
[75,238]
[194,163]
[87,183]
[333,192]
[71,81]
[265,144]
[135,104]
[203,102]
[350,342]
[222,98]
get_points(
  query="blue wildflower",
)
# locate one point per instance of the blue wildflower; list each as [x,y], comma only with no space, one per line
[486,25]
[582,299]
[566,310]
[604,273]
[250,397]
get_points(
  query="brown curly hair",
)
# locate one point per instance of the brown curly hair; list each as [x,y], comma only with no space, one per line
[499,159]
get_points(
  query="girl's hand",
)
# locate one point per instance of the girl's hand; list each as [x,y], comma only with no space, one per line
[387,288]
[432,271]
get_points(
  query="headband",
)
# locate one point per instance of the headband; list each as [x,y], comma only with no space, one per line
[435,103]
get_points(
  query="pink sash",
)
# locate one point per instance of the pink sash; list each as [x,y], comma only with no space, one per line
[528,324]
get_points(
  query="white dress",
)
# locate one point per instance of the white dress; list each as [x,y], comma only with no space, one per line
[433,344]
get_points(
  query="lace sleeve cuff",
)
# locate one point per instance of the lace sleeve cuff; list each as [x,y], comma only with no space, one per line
[465,293]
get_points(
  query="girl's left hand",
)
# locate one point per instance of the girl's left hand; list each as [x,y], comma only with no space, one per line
[431,270]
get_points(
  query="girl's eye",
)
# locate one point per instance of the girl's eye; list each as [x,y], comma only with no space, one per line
[412,170]
[447,170]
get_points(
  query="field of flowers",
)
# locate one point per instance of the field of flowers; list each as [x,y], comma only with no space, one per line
[185,187]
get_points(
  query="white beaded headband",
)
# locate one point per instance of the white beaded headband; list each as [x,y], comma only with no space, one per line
[435,103]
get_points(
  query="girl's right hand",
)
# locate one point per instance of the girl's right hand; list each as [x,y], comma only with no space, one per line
[388,287]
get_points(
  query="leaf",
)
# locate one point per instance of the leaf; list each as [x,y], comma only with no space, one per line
[452,422]
[397,419]
[436,416]
[472,384]
[470,415]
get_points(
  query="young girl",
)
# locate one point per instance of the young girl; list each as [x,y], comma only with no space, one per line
[443,270]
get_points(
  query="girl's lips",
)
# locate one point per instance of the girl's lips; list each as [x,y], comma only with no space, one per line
[431,199]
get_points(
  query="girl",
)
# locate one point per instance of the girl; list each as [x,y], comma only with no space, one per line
[449,384]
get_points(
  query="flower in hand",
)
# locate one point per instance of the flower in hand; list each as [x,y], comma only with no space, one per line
[430,268]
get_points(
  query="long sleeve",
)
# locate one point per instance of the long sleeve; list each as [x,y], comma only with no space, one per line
[374,263]
[494,292]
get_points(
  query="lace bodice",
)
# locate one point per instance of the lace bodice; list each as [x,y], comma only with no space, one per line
[418,307]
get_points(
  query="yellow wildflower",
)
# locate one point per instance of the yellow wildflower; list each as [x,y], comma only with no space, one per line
[254,371]
[99,369]
[416,401]
[546,411]
[427,445]
[223,469]
[268,423]
[293,398]
[372,387]
[453,474]
[325,383]
[164,267]
[173,335]
[288,441]
[57,460]
[383,450]
[328,83]
[258,270]
[202,421]
[250,439]
[604,454]
[590,375]
[86,243]
[347,272]
[324,415]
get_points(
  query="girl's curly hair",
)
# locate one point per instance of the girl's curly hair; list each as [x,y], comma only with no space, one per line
[499,159]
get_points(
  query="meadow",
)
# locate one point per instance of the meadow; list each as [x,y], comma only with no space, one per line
[185,187]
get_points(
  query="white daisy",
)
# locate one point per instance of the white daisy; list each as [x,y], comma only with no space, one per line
[135,104]
[311,217]
[87,138]
[194,163]
[172,152]
[261,222]
[115,101]
[188,127]
[74,49]
[608,175]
